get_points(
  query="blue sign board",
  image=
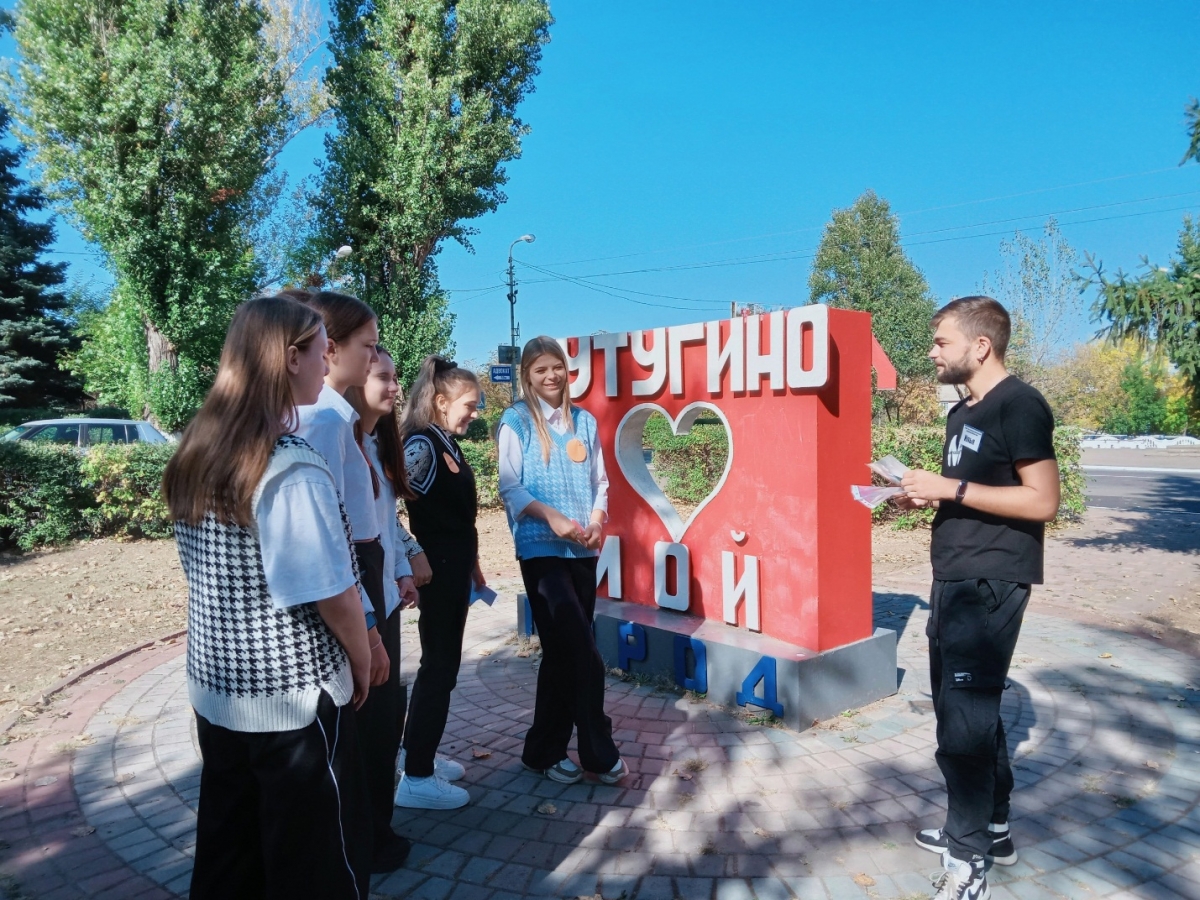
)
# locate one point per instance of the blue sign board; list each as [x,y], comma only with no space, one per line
[501,374]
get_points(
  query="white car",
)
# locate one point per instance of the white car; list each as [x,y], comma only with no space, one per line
[84,433]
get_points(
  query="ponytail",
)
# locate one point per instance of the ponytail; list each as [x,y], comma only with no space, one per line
[438,376]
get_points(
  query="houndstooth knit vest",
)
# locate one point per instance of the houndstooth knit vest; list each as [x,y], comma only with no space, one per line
[250,665]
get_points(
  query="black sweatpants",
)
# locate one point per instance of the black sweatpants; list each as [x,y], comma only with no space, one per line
[380,717]
[570,687]
[281,813]
[443,618]
[973,630]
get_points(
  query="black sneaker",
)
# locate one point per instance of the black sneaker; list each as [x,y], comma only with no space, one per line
[390,853]
[1003,852]
[961,879]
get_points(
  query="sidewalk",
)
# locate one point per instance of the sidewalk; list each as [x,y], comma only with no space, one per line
[1104,727]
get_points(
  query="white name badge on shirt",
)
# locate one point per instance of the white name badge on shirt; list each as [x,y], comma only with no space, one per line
[971,438]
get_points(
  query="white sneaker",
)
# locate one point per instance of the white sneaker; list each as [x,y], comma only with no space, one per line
[442,765]
[961,879]
[433,792]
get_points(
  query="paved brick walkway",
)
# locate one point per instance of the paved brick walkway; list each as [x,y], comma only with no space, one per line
[1104,729]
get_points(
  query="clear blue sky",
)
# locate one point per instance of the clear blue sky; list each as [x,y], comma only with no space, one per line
[672,136]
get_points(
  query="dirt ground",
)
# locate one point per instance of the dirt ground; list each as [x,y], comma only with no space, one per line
[62,610]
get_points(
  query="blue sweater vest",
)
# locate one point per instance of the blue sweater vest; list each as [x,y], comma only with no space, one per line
[562,484]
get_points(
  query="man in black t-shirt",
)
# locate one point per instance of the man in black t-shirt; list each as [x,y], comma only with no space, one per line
[998,487]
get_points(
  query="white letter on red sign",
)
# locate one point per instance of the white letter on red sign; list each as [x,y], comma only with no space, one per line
[581,362]
[682,597]
[654,359]
[770,363]
[610,343]
[817,373]
[610,564]
[745,588]
[733,355]
[677,336]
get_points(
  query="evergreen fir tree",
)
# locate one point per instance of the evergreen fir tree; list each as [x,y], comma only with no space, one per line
[33,331]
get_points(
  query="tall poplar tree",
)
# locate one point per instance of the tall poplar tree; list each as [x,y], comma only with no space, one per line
[154,122]
[425,96]
[33,332]
[861,265]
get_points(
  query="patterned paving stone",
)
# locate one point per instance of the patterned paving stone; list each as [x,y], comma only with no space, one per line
[1103,729]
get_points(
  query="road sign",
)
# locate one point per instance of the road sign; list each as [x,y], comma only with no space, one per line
[506,354]
[501,374]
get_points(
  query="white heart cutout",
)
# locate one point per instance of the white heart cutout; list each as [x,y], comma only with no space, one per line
[632,460]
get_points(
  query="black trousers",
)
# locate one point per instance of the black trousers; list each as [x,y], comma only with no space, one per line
[570,687]
[443,606]
[381,717]
[973,630]
[281,813]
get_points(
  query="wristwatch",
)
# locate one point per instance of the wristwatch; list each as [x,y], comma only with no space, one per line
[961,492]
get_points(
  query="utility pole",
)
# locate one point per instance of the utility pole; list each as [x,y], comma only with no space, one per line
[513,334]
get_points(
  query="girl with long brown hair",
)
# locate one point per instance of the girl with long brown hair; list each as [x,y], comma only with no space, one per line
[331,426]
[277,646]
[444,402]
[552,481]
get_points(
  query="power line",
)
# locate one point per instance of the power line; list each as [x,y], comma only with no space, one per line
[916,212]
[608,289]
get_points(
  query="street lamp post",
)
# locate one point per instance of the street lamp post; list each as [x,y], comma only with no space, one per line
[513,336]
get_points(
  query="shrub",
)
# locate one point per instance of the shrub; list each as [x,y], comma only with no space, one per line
[484,459]
[920,447]
[690,464]
[42,499]
[126,480]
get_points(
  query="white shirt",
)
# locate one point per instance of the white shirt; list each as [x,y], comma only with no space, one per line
[304,550]
[329,426]
[394,537]
[512,465]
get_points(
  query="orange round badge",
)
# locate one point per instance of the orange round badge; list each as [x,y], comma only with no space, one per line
[576,451]
[450,462]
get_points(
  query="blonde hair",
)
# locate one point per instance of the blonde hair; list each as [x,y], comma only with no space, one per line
[544,346]
[438,377]
[225,449]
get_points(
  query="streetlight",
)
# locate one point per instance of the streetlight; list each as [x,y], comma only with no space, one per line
[512,307]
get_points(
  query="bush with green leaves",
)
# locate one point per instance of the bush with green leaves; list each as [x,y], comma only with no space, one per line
[483,457]
[920,447]
[690,464]
[51,494]
[126,481]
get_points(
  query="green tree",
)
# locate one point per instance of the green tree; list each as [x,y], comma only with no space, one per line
[33,331]
[1038,285]
[155,123]
[425,97]
[1159,309]
[861,265]
[1145,408]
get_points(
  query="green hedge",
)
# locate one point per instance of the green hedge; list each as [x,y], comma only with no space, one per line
[690,464]
[484,459]
[920,447]
[50,494]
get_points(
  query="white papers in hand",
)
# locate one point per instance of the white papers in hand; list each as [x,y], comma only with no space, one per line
[889,469]
[871,496]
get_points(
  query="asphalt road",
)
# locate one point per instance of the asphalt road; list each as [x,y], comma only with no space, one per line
[1148,491]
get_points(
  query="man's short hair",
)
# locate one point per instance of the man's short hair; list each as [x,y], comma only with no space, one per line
[979,317]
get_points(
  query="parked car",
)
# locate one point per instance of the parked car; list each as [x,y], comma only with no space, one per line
[84,433]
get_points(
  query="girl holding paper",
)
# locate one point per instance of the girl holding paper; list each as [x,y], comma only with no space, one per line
[552,481]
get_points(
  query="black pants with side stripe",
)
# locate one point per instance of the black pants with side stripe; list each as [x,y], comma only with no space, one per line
[973,629]
[282,813]
[570,686]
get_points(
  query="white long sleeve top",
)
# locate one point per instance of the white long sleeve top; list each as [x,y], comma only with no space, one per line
[398,544]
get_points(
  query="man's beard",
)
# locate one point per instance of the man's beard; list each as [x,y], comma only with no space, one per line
[956,372]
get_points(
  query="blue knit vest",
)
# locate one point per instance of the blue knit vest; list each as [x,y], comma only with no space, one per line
[562,484]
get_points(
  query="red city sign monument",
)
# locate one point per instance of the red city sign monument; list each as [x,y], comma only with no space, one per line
[774,566]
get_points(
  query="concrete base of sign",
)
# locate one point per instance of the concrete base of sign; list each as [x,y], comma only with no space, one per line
[734,667]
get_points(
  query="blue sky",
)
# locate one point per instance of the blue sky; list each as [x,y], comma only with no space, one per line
[698,149]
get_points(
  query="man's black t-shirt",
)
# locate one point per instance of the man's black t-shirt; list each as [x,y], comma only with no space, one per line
[984,441]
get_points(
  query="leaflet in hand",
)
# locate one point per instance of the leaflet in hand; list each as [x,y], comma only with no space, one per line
[889,469]
[485,593]
[871,496]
